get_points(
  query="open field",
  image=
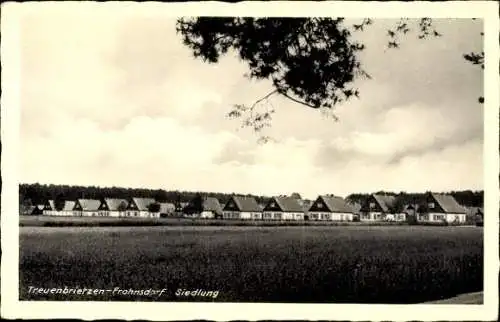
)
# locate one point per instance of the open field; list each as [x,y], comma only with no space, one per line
[53,221]
[401,264]
[468,298]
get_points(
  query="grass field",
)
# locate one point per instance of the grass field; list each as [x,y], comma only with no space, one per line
[400,264]
[56,221]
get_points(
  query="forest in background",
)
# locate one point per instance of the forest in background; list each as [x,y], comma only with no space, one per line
[32,194]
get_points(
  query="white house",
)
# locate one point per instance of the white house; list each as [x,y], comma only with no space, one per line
[211,208]
[139,207]
[86,207]
[166,209]
[283,208]
[112,207]
[67,209]
[239,207]
[442,208]
[205,207]
[49,208]
[330,208]
[379,208]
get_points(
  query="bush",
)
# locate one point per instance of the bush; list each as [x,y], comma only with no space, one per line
[412,220]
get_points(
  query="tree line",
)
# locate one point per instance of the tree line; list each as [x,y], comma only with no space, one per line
[39,193]
[36,193]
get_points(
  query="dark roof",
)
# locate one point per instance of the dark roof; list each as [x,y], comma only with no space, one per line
[212,204]
[448,203]
[114,204]
[336,204]
[385,202]
[288,204]
[248,204]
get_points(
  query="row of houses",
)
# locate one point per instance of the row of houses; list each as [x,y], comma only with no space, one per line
[437,208]
[108,207]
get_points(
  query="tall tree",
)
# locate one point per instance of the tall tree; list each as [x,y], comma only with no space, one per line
[196,205]
[154,207]
[122,206]
[59,201]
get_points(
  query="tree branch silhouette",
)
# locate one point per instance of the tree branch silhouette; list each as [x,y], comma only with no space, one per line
[310,61]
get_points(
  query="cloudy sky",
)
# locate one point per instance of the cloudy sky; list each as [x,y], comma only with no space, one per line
[115,99]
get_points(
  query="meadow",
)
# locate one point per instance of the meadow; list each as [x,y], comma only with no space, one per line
[317,264]
[70,221]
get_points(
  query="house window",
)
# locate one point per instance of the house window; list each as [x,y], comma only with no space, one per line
[320,205]
[438,217]
[372,205]
[431,205]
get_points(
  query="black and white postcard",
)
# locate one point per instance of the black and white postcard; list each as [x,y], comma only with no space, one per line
[250,161]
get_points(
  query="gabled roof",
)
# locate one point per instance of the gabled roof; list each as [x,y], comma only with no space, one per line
[89,204]
[385,202]
[166,207]
[288,204]
[212,204]
[68,205]
[37,209]
[114,203]
[51,204]
[143,203]
[336,204]
[246,204]
[448,203]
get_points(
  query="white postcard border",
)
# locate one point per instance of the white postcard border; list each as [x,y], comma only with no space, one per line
[13,308]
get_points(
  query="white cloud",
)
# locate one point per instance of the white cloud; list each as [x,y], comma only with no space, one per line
[122,102]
